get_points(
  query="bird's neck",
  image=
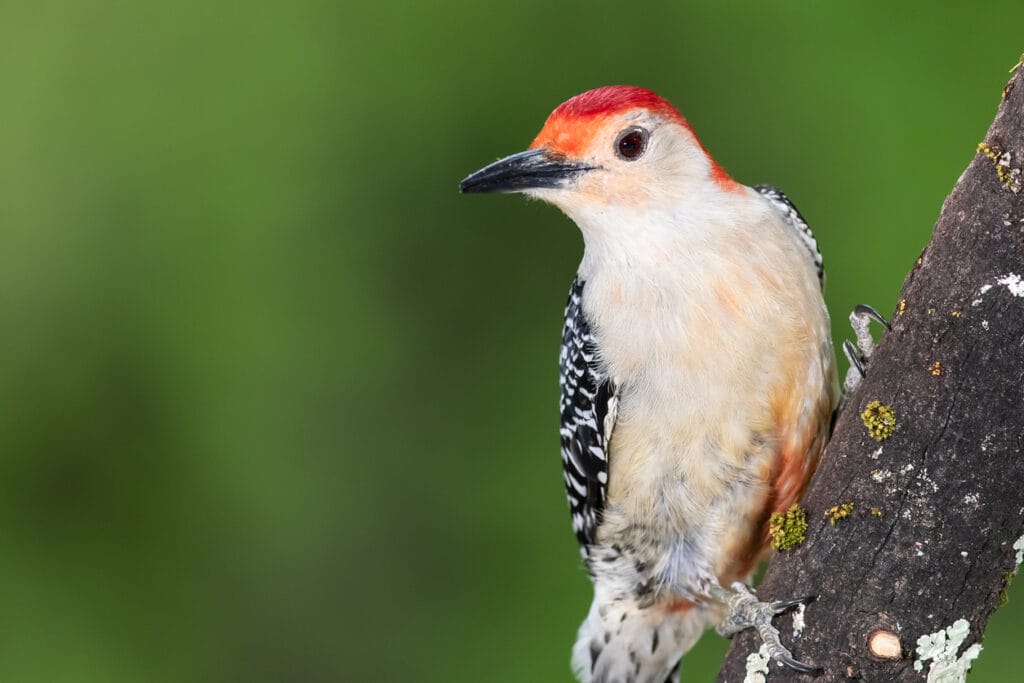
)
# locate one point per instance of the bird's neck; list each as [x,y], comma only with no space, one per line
[647,242]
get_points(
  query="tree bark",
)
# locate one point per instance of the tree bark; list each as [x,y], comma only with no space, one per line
[939,504]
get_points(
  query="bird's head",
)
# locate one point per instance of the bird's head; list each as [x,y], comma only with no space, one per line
[617,146]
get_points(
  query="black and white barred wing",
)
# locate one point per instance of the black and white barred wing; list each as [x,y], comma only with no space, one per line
[587,415]
[781,202]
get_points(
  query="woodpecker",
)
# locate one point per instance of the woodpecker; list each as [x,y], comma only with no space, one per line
[697,374]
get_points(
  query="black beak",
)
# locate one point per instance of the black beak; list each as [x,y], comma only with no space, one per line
[529,170]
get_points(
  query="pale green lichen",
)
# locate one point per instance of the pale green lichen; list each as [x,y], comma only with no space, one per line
[757,666]
[787,530]
[838,512]
[941,647]
[1018,547]
[879,419]
[799,623]
[1013,283]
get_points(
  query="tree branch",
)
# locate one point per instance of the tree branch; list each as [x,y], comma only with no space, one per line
[939,504]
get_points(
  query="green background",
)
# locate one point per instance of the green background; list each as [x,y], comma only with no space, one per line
[279,404]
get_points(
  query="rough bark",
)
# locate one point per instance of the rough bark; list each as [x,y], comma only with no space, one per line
[939,504]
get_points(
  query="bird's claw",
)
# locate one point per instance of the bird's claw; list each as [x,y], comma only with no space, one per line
[781,606]
[850,351]
[861,311]
[746,611]
[859,355]
[786,659]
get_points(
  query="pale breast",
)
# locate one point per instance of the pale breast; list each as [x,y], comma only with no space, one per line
[724,363]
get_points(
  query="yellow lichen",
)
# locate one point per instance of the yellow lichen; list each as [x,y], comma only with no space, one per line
[1007,580]
[902,307]
[935,368]
[955,314]
[1005,175]
[991,151]
[879,419]
[837,512]
[787,530]
[1008,177]
[877,512]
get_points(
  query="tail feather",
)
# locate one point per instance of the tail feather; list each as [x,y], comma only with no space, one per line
[621,642]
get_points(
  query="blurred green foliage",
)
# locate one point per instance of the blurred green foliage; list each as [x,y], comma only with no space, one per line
[279,404]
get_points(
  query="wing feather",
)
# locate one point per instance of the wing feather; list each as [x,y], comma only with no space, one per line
[587,416]
[789,212]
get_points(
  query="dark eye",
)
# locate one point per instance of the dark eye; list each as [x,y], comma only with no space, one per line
[631,143]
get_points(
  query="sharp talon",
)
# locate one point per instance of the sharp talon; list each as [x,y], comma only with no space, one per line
[786,660]
[782,606]
[745,611]
[851,355]
[859,355]
[865,310]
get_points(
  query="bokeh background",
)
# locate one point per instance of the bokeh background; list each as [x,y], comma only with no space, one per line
[279,404]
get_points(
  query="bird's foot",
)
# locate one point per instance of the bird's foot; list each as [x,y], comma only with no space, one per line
[746,611]
[859,355]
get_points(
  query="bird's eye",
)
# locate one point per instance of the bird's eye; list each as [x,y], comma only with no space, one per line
[631,143]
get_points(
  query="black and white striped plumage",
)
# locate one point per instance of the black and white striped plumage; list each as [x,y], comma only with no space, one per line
[587,414]
[781,202]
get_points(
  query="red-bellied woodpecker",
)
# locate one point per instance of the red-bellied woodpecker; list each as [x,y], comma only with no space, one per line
[697,373]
